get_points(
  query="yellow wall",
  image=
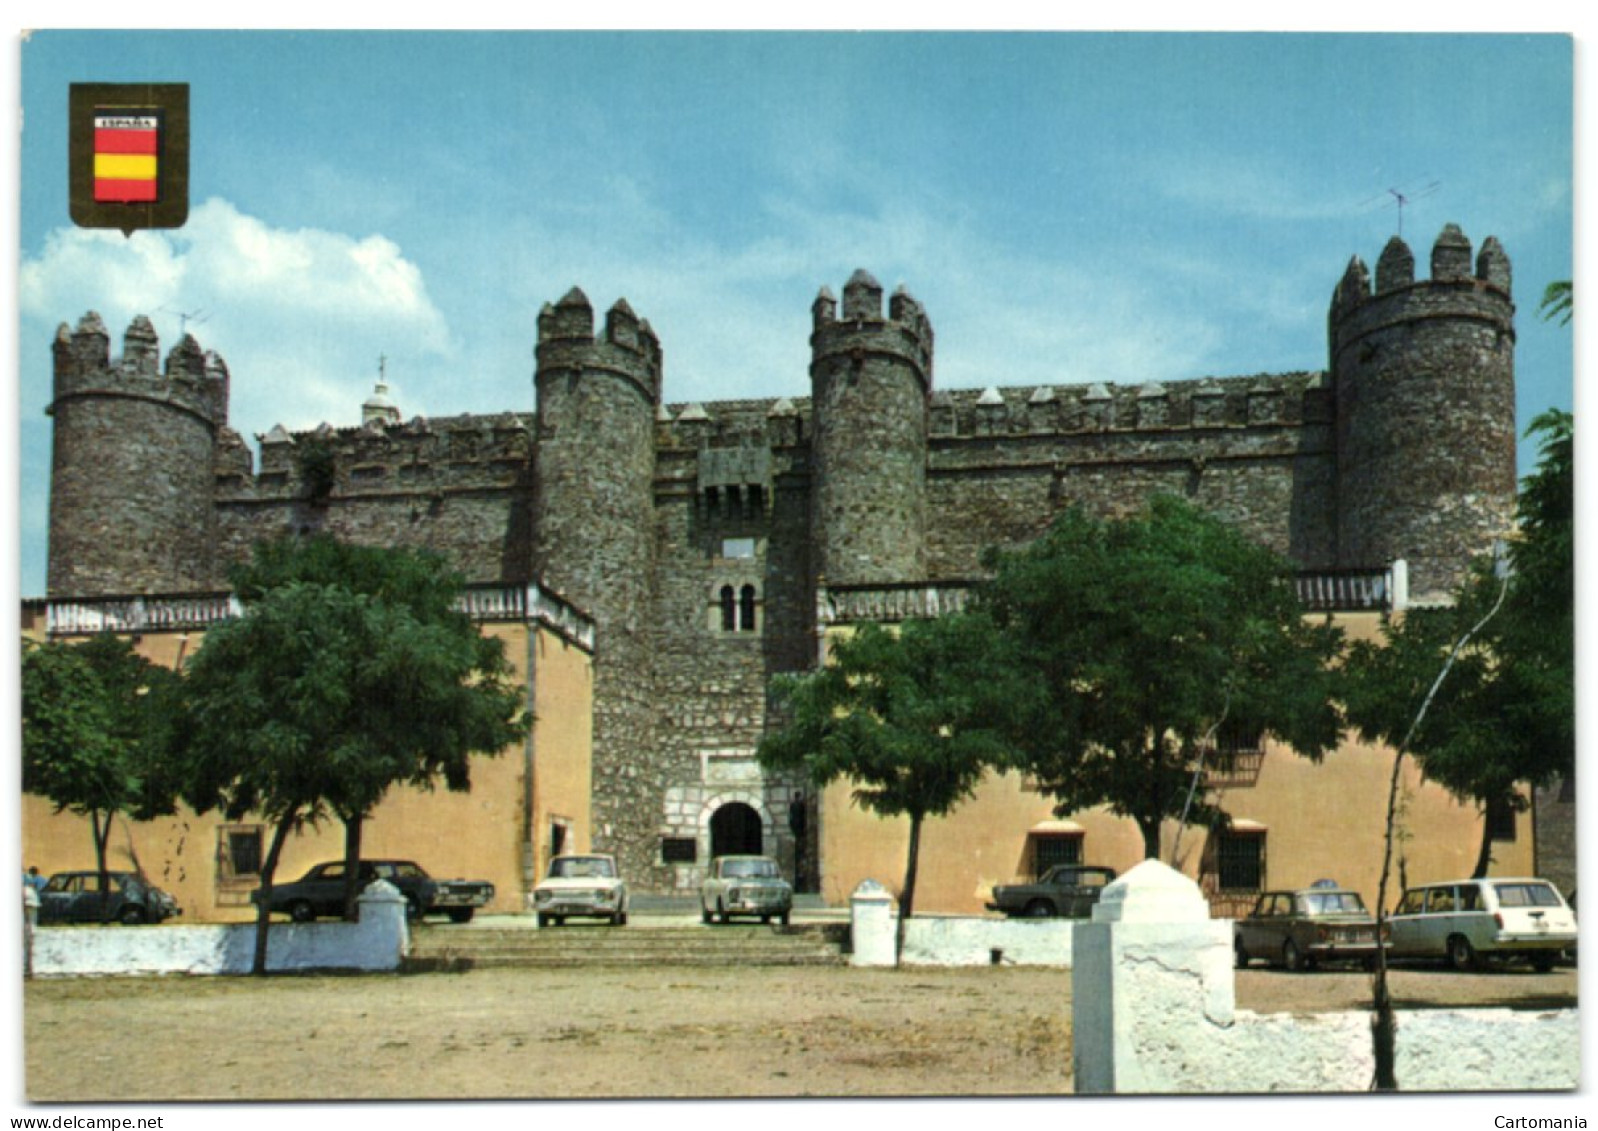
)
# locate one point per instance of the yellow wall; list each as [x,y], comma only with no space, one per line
[472,835]
[1323,820]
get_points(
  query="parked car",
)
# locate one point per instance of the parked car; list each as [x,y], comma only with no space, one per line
[1299,929]
[1066,891]
[1467,921]
[320,892]
[583,886]
[75,897]
[745,885]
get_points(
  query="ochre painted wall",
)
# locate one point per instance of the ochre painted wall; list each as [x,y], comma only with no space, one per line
[1322,820]
[472,835]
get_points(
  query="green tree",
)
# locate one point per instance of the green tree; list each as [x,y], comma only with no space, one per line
[905,716]
[93,733]
[1131,642]
[325,693]
[423,723]
[1558,301]
[1505,716]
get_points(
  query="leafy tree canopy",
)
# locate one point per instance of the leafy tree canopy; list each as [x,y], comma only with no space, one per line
[94,731]
[349,672]
[1505,714]
[1131,642]
[905,716]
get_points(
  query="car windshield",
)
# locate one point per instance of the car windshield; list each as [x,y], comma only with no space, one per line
[1333,903]
[749,868]
[1526,895]
[581,867]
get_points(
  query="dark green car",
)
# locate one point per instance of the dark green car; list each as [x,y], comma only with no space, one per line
[75,897]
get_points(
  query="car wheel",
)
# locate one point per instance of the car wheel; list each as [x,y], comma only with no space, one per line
[559,920]
[301,911]
[461,914]
[131,916]
[1241,955]
[413,909]
[783,918]
[621,919]
[1461,955]
[705,915]
[1040,909]
[1292,957]
[721,911]
[543,920]
[1542,963]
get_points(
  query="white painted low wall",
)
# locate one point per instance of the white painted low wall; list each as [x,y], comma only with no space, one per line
[958,941]
[377,942]
[951,940]
[1153,1011]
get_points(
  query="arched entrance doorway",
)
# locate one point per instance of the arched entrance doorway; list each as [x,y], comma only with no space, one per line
[735,831]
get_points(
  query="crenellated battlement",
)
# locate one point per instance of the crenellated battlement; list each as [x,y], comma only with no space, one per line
[904,335]
[1453,290]
[193,380]
[422,454]
[627,348]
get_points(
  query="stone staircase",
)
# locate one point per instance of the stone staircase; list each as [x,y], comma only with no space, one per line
[455,948]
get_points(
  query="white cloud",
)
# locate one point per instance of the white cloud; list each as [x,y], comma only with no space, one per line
[301,316]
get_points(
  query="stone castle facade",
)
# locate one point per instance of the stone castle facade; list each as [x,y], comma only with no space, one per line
[713,543]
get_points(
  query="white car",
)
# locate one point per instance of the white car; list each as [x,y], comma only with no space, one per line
[1499,916]
[745,885]
[584,886]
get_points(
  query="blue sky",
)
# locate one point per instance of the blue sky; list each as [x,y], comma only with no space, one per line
[1068,207]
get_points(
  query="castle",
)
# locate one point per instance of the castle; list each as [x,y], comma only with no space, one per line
[715,544]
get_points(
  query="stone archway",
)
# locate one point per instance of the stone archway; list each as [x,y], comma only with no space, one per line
[736,830]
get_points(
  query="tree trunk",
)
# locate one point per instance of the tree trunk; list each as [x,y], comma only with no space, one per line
[1151,836]
[263,912]
[1484,856]
[907,895]
[102,837]
[352,865]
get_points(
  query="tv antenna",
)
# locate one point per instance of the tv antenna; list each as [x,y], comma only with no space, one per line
[1406,194]
[198,317]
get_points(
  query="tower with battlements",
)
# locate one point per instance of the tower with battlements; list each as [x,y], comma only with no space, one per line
[132,506]
[1423,377]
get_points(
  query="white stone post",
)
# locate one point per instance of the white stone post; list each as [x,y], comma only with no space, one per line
[1148,971]
[384,930]
[30,920]
[871,926]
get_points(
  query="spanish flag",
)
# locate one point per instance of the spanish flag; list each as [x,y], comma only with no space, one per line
[126,149]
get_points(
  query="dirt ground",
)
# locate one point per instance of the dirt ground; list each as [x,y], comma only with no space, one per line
[629,1032]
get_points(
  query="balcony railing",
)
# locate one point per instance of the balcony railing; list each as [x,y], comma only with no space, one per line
[852,604]
[1355,590]
[194,612]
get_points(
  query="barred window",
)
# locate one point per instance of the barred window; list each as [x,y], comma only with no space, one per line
[1047,851]
[1240,860]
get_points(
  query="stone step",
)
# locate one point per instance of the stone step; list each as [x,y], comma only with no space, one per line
[755,945]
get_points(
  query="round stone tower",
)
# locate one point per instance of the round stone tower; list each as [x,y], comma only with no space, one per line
[870,379]
[132,473]
[593,540]
[1424,377]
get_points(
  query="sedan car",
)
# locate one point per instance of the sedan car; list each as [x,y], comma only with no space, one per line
[582,886]
[745,885]
[75,897]
[1066,891]
[1301,928]
[320,892]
